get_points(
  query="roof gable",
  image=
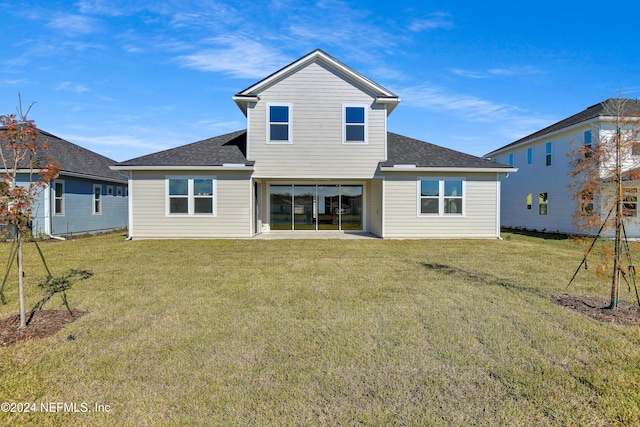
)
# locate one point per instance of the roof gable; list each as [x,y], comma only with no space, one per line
[251,94]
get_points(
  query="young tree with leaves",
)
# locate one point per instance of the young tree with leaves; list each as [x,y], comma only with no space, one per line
[603,170]
[22,154]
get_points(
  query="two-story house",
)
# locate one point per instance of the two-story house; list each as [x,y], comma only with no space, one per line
[316,156]
[539,196]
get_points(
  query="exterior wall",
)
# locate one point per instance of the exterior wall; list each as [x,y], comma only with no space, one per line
[233,195]
[78,214]
[374,207]
[538,178]
[401,206]
[316,95]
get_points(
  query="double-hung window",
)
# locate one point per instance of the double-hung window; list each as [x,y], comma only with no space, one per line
[548,151]
[587,143]
[530,155]
[441,196]
[279,124]
[355,124]
[543,203]
[58,198]
[97,199]
[191,195]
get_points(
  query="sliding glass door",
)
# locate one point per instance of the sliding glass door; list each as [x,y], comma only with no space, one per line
[316,207]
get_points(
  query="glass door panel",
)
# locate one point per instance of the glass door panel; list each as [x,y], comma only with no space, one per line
[351,207]
[304,212]
[280,217]
[328,207]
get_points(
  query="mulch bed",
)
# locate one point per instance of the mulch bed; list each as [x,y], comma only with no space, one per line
[626,313]
[43,324]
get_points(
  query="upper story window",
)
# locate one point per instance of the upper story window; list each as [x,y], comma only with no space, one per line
[279,123]
[530,155]
[441,196]
[587,143]
[190,195]
[355,124]
[510,159]
[547,153]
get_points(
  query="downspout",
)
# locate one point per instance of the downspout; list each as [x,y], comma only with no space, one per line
[47,214]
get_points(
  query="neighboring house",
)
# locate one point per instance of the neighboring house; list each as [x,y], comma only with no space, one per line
[316,156]
[538,197]
[86,197]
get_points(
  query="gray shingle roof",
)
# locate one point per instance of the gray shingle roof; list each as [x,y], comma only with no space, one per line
[607,107]
[402,150]
[75,159]
[231,148]
[228,148]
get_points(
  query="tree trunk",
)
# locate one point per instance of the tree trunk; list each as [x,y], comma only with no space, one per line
[21,283]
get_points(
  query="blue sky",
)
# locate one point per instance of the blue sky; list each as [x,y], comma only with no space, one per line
[127,78]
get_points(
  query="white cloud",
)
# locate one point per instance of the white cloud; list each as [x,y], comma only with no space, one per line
[73,23]
[468,73]
[435,21]
[237,57]
[71,87]
[467,106]
[506,72]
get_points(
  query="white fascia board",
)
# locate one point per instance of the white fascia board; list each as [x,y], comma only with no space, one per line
[546,136]
[313,56]
[229,166]
[74,174]
[443,169]
[314,177]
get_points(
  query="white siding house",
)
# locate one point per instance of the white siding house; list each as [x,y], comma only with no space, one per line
[316,157]
[538,197]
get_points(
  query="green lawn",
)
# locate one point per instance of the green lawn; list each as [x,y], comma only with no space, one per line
[324,332]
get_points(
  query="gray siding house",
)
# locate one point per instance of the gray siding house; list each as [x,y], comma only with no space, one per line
[538,197]
[86,197]
[316,157]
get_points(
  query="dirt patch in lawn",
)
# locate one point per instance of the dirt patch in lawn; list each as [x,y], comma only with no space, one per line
[43,324]
[625,314]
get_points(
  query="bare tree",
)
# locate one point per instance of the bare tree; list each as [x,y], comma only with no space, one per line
[603,169]
[21,154]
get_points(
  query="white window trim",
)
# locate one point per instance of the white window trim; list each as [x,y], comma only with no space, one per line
[191,196]
[441,197]
[344,124]
[268,121]
[55,182]
[119,191]
[550,154]
[93,199]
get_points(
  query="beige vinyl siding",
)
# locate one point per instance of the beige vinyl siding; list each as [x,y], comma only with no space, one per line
[401,209]
[317,96]
[233,216]
[374,207]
